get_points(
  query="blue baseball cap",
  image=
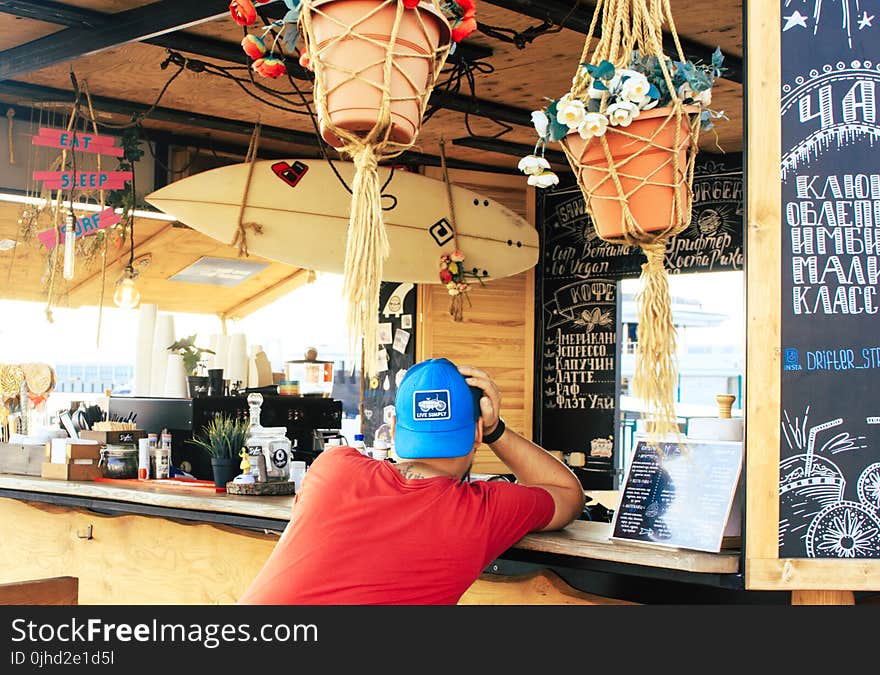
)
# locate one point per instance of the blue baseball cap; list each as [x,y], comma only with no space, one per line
[435,412]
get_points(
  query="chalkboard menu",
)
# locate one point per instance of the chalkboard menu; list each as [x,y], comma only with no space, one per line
[713,242]
[829,493]
[679,497]
[576,364]
[397,349]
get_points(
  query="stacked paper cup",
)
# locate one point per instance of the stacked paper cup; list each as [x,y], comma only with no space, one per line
[143,369]
[163,338]
[237,359]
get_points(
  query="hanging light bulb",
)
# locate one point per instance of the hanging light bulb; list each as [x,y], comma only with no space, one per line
[127,295]
[69,247]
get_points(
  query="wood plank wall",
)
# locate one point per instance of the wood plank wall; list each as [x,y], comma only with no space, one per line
[497,333]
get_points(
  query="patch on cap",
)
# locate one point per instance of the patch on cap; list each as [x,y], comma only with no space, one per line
[431,405]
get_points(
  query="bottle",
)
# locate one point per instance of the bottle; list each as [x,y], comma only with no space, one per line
[382,442]
[163,456]
[359,444]
[143,458]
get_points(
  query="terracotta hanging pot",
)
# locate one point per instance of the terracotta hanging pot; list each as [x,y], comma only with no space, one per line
[656,186]
[351,38]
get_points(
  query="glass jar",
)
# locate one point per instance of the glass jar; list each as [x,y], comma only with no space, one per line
[119,461]
[269,442]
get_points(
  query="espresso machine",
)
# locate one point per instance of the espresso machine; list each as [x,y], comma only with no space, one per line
[310,422]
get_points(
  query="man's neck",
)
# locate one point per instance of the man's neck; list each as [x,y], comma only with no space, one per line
[422,469]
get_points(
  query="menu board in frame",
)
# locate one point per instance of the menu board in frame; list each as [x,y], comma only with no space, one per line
[813,203]
[679,495]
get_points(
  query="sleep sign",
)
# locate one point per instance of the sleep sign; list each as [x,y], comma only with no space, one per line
[83,180]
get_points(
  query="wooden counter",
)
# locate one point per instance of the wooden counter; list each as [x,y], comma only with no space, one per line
[84,529]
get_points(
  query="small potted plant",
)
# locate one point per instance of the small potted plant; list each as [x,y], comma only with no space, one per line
[192,357]
[223,439]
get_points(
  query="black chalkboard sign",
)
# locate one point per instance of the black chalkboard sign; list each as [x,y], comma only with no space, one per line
[576,356]
[713,242]
[829,496]
[679,497]
[397,347]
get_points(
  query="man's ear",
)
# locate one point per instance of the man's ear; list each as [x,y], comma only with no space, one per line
[478,434]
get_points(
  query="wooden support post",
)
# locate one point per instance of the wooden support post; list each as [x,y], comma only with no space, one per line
[822,598]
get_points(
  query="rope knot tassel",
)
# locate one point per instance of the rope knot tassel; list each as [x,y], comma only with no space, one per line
[656,370]
[365,254]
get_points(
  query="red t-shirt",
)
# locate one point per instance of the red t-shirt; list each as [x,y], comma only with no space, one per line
[360,534]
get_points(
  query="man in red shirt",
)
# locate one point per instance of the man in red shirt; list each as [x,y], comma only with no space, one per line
[364,531]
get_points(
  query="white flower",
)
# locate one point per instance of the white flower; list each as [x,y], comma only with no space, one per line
[616,81]
[541,122]
[704,97]
[592,92]
[571,113]
[649,103]
[635,89]
[622,114]
[594,124]
[544,180]
[532,165]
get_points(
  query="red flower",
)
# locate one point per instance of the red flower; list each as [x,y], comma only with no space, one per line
[269,67]
[305,61]
[464,28]
[445,276]
[410,4]
[243,12]
[469,7]
[253,46]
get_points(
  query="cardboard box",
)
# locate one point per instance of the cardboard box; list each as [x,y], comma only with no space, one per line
[63,450]
[22,460]
[114,437]
[71,471]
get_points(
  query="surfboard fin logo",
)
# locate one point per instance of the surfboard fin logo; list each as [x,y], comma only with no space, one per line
[442,232]
[291,174]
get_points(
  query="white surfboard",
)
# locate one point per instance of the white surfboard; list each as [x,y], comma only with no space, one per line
[304,210]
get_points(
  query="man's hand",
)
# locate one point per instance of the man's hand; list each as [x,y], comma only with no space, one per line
[490,403]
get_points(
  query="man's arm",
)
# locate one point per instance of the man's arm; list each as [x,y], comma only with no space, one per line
[530,463]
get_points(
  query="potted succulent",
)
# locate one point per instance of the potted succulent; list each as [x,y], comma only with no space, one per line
[223,439]
[192,357]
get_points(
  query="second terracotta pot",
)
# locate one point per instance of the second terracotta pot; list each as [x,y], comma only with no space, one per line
[643,154]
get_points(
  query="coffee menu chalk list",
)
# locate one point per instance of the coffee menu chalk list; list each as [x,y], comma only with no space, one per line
[577,310]
[829,473]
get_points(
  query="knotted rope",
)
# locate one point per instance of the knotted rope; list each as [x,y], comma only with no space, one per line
[628,26]
[367,245]
[240,239]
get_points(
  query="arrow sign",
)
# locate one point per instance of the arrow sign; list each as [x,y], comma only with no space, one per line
[58,138]
[85,180]
[84,226]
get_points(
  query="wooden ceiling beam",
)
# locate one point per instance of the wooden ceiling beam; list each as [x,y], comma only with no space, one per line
[168,227]
[267,295]
[28,93]
[577,15]
[132,25]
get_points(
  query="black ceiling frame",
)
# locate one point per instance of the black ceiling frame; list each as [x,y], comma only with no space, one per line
[134,25]
[31,93]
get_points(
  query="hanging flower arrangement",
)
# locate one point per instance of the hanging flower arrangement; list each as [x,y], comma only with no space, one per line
[454,277]
[375,64]
[615,97]
[630,126]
